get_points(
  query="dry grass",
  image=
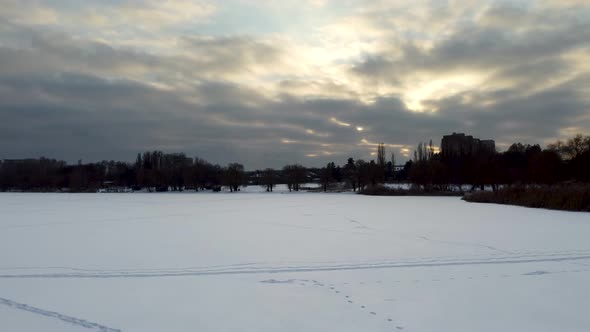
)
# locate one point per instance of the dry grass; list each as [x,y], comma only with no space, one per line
[385,191]
[570,197]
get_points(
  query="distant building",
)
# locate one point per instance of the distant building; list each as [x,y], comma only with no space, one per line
[459,145]
[398,168]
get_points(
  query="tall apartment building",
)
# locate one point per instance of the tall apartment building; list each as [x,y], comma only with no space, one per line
[459,145]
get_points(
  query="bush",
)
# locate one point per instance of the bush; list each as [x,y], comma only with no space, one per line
[572,197]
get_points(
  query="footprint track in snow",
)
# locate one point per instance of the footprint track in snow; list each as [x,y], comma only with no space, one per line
[333,289]
[79,322]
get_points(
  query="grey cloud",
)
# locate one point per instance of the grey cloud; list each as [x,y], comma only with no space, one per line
[532,119]
[236,53]
[530,92]
[73,98]
[475,45]
[78,116]
[199,57]
[122,118]
[476,48]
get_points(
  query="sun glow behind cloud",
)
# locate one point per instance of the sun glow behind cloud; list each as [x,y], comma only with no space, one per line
[417,92]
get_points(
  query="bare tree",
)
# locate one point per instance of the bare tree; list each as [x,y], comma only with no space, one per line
[234,176]
[393,166]
[361,173]
[350,173]
[378,170]
[327,175]
[269,179]
[381,155]
[295,176]
[573,147]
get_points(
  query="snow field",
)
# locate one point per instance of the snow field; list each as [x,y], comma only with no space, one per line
[288,262]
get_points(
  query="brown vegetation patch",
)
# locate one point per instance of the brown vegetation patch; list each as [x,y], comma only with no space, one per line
[569,197]
[414,191]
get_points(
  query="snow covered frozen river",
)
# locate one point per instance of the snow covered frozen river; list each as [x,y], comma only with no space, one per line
[288,262]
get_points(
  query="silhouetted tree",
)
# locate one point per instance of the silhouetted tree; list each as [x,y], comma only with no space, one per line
[350,174]
[295,175]
[573,147]
[378,170]
[375,173]
[391,167]
[327,175]
[545,167]
[576,152]
[233,176]
[361,173]
[154,170]
[269,179]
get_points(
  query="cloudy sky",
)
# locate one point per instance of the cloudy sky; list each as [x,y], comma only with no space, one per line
[267,82]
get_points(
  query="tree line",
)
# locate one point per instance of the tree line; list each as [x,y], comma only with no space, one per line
[429,170]
[153,171]
[521,164]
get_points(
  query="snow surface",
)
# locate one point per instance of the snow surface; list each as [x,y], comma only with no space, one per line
[288,262]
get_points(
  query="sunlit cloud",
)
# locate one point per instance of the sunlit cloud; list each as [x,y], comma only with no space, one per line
[405,152]
[432,89]
[365,142]
[317,134]
[340,123]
